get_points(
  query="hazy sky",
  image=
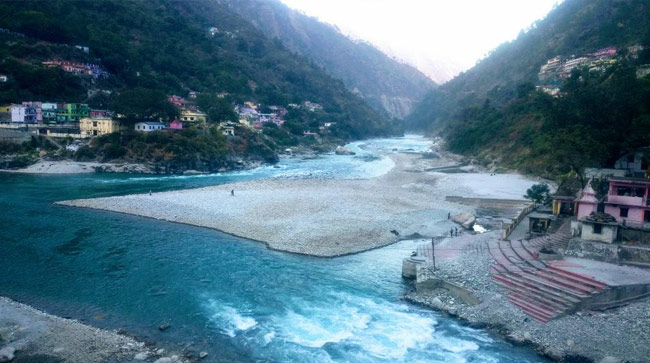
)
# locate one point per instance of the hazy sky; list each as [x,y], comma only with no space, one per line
[447,34]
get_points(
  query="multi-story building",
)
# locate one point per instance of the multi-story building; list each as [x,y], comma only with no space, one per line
[98,126]
[22,113]
[48,112]
[627,201]
[77,111]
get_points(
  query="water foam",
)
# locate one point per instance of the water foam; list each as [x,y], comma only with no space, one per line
[229,320]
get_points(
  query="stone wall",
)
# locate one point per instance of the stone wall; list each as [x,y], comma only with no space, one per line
[592,250]
[636,235]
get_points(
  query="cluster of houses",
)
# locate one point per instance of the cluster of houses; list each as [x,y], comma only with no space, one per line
[78,120]
[36,112]
[81,69]
[625,208]
[249,115]
[558,68]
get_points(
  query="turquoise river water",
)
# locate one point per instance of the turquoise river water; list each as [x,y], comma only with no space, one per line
[231,297]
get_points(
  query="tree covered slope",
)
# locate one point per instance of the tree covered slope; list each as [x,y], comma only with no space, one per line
[167,46]
[494,112]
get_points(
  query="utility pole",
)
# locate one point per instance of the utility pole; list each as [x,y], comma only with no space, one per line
[433,252]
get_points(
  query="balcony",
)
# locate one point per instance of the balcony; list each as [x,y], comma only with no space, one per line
[624,200]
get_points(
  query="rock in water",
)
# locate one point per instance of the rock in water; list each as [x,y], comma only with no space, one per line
[342,150]
[7,354]
[203,354]
[164,327]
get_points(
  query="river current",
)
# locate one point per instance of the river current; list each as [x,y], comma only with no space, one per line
[231,297]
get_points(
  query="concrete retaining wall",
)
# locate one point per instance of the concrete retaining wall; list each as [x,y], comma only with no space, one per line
[616,296]
[14,136]
[637,235]
[605,252]
[465,295]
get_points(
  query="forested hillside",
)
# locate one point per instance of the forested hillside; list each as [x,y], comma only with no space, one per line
[164,46]
[494,111]
[388,85]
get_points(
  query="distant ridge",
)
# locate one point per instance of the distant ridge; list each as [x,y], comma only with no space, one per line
[387,84]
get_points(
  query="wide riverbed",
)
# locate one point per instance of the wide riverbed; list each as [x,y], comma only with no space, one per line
[232,297]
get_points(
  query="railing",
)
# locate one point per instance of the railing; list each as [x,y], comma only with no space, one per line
[507,229]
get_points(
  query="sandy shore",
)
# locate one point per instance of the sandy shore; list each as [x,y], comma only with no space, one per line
[30,335]
[307,216]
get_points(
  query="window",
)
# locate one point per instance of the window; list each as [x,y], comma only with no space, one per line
[598,229]
[94,123]
[624,212]
[646,215]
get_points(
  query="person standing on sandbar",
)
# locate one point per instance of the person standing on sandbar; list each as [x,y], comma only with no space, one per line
[232,193]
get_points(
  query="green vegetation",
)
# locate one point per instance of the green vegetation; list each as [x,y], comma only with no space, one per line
[177,151]
[539,193]
[389,86]
[493,111]
[157,48]
[166,46]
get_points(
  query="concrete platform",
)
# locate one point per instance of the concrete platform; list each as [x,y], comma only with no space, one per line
[607,273]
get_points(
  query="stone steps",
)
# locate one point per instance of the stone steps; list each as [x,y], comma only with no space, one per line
[540,297]
[541,312]
[538,288]
[535,288]
[583,279]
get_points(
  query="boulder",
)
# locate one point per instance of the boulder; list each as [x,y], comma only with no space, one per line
[342,150]
[203,354]
[141,356]
[7,354]
[466,220]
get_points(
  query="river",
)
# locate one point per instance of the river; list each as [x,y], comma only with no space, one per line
[231,297]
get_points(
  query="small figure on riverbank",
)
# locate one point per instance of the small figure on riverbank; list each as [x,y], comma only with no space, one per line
[451,232]
[448,215]
[456,231]
[232,193]
[149,192]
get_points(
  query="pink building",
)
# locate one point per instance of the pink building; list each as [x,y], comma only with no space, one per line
[627,201]
[176,125]
[587,203]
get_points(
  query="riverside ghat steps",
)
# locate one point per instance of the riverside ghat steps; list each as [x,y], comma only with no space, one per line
[545,290]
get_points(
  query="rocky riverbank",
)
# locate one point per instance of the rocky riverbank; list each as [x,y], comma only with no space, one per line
[30,335]
[616,335]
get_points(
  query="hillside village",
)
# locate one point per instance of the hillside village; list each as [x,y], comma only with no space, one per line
[557,69]
[78,120]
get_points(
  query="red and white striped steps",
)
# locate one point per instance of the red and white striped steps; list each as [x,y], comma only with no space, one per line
[542,291]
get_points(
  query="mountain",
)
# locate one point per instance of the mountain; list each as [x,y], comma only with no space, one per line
[170,47]
[590,113]
[385,83]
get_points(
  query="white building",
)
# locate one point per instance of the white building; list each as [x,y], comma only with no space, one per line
[149,126]
[22,113]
